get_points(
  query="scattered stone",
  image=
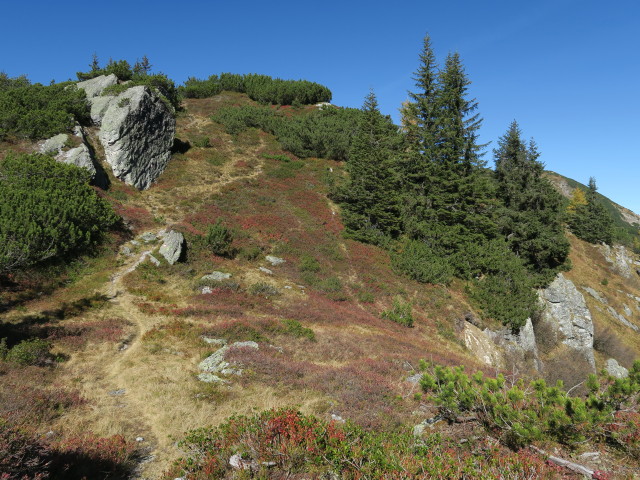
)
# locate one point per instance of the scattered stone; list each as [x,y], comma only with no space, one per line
[210,378]
[589,456]
[247,344]
[337,418]
[137,134]
[627,310]
[566,312]
[126,251]
[118,393]
[135,242]
[214,341]
[154,260]
[278,349]
[172,247]
[274,260]
[596,295]
[216,277]
[266,270]
[288,287]
[139,439]
[414,379]
[237,462]
[622,319]
[616,370]
[148,237]
[206,290]
[54,144]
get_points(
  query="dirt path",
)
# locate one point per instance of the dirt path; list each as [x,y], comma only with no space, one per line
[129,389]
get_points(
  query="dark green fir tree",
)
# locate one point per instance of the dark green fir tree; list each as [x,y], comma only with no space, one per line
[531,218]
[371,199]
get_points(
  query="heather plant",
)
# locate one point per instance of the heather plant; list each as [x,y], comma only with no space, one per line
[278,443]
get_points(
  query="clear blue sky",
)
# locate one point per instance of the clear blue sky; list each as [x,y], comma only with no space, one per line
[567,70]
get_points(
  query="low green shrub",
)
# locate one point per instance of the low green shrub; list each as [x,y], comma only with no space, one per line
[37,111]
[420,262]
[261,88]
[295,329]
[521,413]
[34,351]
[48,211]
[400,313]
[264,289]
[309,264]
[219,239]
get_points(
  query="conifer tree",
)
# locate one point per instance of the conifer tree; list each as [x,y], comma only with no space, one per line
[370,199]
[591,222]
[531,220]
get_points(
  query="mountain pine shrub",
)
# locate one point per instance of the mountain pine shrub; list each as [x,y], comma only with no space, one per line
[48,211]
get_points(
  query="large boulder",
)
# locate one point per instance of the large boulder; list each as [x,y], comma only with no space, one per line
[520,348]
[565,313]
[137,134]
[93,89]
[172,247]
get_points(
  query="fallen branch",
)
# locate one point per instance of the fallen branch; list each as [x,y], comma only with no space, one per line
[576,467]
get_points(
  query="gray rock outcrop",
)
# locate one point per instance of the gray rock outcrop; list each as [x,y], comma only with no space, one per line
[620,259]
[137,134]
[54,144]
[274,260]
[80,157]
[93,89]
[172,247]
[616,370]
[482,346]
[215,364]
[565,312]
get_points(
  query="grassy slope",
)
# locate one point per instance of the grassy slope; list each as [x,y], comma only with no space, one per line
[355,368]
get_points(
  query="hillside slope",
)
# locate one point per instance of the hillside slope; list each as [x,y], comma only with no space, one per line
[133,333]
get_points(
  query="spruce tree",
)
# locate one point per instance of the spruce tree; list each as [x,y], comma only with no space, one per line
[591,222]
[370,199]
[531,219]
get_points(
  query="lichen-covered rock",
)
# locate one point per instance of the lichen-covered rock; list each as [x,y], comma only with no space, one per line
[215,277]
[54,144]
[614,369]
[620,259]
[481,345]
[93,89]
[80,157]
[274,260]
[566,312]
[95,86]
[137,134]
[172,247]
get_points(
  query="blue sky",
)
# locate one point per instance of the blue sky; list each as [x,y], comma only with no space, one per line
[567,70]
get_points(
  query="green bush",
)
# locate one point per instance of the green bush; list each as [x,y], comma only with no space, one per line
[48,211]
[219,239]
[37,111]
[295,329]
[263,289]
[400,313]
[523,413]
[260,88]
[309,264]
[30,352]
